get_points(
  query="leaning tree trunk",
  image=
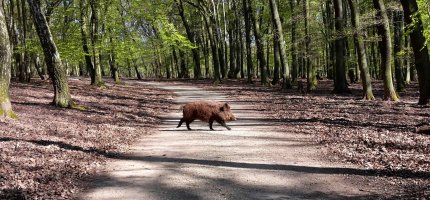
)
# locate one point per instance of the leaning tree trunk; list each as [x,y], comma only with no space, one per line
[340,84]
[421,54]
[281,43]
[361,52]
[5,72]
[55,67]
[385,48]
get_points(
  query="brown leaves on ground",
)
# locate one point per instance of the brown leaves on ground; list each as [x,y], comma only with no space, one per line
[46,152]
[380,136]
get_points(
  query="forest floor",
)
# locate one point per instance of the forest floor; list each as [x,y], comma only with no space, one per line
[49,152]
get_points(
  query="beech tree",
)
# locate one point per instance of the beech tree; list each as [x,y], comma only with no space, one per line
[385,49]
[418,42]
[361,51]
[5,72]
[53,62]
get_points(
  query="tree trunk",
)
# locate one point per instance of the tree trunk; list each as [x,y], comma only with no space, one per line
[421,54]
[55,67]
[94,22]
[294,65]
[340,83]
[361,52]
[398,46]
[311,75]
[5,72]
[385,50]
[249,64]
[192,37]
[286,78]
[260,46]
[87,55]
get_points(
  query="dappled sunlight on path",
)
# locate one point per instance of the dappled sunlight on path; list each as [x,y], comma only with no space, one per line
[255,160]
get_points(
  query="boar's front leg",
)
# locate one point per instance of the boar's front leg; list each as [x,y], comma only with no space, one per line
[222,122]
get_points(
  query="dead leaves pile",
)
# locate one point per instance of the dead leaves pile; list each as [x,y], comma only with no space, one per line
[48,151]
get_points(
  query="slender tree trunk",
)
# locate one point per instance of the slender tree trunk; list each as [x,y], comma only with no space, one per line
[260,46]
[192,37]
[311,75]
[294,66]
[87,55]
[421,54]
[55,67]
[361,52]
[407,61]
[340,83]
[279,39]
[249,64]
[233,44]
[398,46]
[385,50]
[94,22]
[5,72]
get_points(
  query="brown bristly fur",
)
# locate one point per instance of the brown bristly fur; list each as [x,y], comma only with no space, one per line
[207,111]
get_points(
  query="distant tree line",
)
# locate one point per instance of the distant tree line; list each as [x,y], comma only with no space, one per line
[272,42]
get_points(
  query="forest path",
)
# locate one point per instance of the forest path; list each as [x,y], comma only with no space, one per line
[255,160]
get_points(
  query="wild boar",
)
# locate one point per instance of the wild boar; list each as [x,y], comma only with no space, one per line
[207,111]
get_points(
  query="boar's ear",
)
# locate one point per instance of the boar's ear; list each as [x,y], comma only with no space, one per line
[226,106]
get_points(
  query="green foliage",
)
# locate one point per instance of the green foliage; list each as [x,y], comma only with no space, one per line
[424,10]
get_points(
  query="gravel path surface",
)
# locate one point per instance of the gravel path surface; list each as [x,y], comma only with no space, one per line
[255,160]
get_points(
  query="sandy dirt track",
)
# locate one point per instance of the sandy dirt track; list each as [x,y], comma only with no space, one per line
[255,160]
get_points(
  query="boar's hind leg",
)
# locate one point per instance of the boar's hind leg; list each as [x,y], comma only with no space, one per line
[180,123]
[211,121]
[188,125]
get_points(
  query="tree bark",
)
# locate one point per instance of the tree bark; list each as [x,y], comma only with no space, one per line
[249,64]
[311,72]
[398,46]
[5,65]
[55,67]
[260,46]
[192,37]
[94,22]
[421,54]
[361,52]
[294,65]
[87,55]
[340,83]
[385,49]
[286,78]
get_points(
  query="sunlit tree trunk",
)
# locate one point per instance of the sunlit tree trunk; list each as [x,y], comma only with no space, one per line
[5,72]
[385,49]
[55,67]
[94,22]
[311,72]
[286,78]
[361,52]
[83,27]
